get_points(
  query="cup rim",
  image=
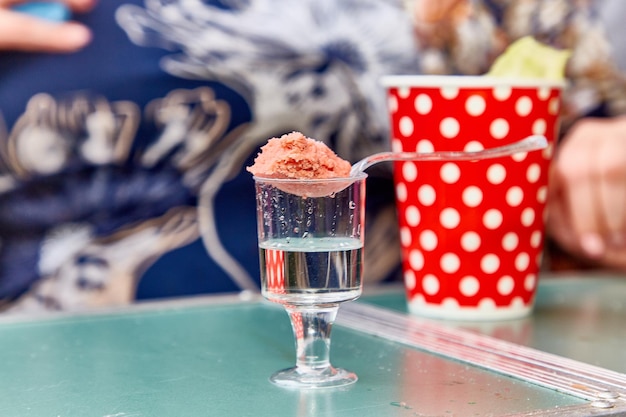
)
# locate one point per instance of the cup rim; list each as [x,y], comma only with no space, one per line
[353,178]
[390,81]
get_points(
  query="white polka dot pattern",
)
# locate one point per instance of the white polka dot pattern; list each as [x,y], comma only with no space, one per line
[533,173]
[522,261]
[406,126]
[542,194]
[528,217]
[396,145]
[392,103]
[450,263]
[423,104]
[519,157]
[449,127]
[536,238]
[409,279]
[539,127]
[510,242]
[506,285]
[424,146]
[469,286]
[543,93]
[523,106]
[496,173]
[401,192]
[473,146]
[412,216]
[471,232]
[405,236]
[475,105]
[450,173]
[492,219]
[428,240]
[514,196]
[502,93]
[409,171]
[490,263]
[416,259]
[449,93]
[430,284]
[426,195]
[472,196]
[499,128]
[470,241]
[450,218]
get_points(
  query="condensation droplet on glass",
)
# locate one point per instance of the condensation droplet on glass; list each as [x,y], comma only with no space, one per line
[352,205]
[305,234]
[296,230]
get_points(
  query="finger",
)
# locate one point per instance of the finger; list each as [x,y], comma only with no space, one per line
[8,3]
[80,6]
[559,224]
[612,191]
[575,169]
[614,257]
[431,11]
[585,220]
[26,33]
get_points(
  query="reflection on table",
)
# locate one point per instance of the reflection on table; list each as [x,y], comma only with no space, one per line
[576,316]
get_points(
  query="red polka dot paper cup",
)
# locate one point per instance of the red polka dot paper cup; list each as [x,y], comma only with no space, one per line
[472,231]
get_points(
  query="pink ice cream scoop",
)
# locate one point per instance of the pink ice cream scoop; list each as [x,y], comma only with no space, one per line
[301,166]
[294,156]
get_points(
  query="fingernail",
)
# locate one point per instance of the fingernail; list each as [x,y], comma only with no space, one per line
[592,244]
[618,240]
[77,35]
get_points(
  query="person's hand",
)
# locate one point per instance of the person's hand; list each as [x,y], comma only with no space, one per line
[21,32]
[587,199]
[429,11]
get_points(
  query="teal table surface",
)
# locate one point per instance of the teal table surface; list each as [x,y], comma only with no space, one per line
[581,317]
[213,356]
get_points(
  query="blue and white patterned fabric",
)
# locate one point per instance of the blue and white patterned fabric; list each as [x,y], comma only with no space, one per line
[122,166]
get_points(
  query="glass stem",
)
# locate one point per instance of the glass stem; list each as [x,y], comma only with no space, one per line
[311,329]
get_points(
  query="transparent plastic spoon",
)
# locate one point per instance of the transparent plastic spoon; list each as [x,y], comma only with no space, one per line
[530,143]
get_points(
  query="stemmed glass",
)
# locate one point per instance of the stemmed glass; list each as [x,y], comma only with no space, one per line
[310,244]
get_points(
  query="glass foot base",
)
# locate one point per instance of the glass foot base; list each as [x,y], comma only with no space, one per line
[329,378]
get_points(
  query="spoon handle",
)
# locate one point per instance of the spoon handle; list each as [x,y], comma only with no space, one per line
[530,143]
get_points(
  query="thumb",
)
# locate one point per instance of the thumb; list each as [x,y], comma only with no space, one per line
[558,222]
[19,32]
